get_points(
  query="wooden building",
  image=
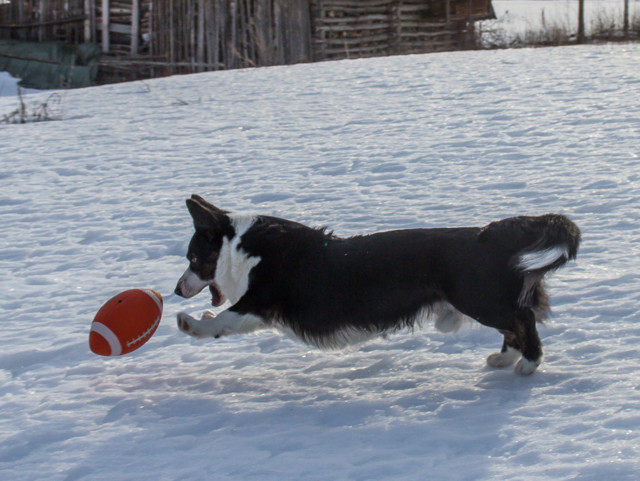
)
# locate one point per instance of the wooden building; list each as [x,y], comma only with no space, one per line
[142,38]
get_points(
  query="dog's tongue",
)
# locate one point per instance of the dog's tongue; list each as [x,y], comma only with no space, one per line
[217,299]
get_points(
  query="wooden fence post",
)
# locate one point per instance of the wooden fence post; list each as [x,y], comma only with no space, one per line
[200,40]
[105,26]
[135,25]
[87,21]
[625,22]
[580,38]
[41,13]
[171,34]
[396,27]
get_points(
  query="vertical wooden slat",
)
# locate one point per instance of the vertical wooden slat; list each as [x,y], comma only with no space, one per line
[270,32]
[285,32]
[580,38]
[192,27]
[200,41]
[105,26]
[625,19]
[245,34]
[250,32]
[42,12]
[87,21]
[135,25]
[171,34]
[184,27]
[151,31]
[213,33]
[232,58]
[241,41]
[220,38]
[21,19]
[307,54]
[94,30]
[277,37]
[318,15]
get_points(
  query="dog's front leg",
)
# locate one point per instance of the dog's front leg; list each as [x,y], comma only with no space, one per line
[224,324]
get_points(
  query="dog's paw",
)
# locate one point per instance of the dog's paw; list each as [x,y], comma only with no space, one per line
[203,328]
[526,367]
[503,359]
[185,321]
[207,315]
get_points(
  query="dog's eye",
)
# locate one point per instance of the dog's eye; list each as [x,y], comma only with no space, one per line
[193,259]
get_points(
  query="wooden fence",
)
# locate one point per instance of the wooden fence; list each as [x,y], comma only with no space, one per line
[120,26]
[214,34]
[159,37]
[37,20]
[364,28]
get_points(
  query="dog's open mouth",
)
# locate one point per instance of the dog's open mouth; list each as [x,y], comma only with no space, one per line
[217,298]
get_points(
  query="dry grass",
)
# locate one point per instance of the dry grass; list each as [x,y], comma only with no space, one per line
[49,109]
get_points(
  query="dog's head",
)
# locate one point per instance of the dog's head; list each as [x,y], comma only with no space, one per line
[212,226]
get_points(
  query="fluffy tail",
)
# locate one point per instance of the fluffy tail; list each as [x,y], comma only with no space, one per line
[557,242]
[540,244]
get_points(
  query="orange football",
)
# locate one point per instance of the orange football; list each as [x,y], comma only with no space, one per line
[125,322]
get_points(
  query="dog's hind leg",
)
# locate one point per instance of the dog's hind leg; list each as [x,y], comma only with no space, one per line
[521,340]
[509,353]
[527,337]
[224,324]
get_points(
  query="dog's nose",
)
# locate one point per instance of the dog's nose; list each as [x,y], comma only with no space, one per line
[178,291]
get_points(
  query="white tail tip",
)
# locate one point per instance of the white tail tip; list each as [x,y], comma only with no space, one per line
[532,261]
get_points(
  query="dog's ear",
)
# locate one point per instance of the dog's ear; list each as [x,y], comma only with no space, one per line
[205,215]
[200,199]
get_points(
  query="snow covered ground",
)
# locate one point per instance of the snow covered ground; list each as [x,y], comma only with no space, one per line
[94,204]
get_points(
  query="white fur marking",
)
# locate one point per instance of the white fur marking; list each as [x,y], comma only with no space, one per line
[503,359]
[448,318]
[540,259]
[234,264]
[190,284]
[224,324]
[342,338]
[109,336]
[526,367]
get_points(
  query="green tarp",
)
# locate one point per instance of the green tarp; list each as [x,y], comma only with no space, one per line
[50,65]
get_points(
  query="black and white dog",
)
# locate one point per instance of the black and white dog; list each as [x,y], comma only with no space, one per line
[332,292]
